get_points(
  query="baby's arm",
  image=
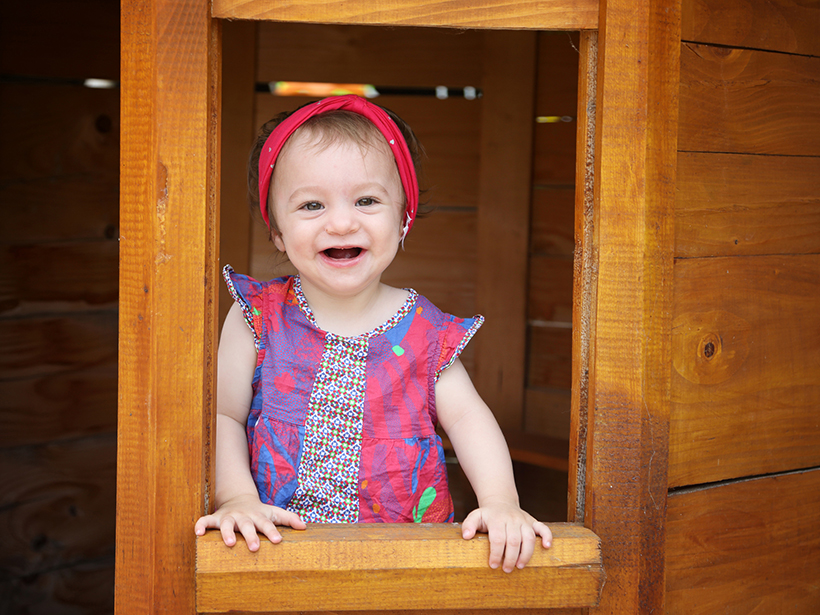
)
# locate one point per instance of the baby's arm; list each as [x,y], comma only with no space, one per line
[238,506]
[482,453]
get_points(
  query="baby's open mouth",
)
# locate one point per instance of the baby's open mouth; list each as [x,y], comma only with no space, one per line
[343,253]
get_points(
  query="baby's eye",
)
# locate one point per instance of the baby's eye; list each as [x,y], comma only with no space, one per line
[365,201]
[312,206]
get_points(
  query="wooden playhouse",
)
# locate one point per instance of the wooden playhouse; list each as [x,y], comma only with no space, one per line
[682,368]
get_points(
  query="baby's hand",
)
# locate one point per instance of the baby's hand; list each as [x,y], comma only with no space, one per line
[248,514]
[512,533]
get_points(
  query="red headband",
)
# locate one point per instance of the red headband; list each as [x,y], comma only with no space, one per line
[356,104]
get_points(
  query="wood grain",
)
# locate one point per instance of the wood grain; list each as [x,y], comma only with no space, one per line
[87,587]
[41,277]
[168,259]
[505,187]
[550,289]
[635,159]
[72,404]
[553,221]
[543,15]
[58,133]
[745,387]
[37,346]
[584,284]
[547,412]
[743,205]
[402,566]
[753,102]
[57,504]
[745,547]
[410,57]
[549,354]
[777,25]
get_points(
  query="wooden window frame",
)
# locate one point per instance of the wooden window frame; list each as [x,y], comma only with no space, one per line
[168,287]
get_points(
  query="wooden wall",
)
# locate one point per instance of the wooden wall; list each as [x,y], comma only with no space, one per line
[744,444]
[58,306]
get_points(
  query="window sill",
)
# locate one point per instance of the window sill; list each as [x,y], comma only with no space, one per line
[392,567]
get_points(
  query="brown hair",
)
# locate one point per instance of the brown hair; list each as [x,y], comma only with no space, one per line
[333,127]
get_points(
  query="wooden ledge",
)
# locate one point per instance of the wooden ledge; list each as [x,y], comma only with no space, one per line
[391,567]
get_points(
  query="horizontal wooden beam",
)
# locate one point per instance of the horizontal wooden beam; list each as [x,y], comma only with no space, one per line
[392,566]
[541,15]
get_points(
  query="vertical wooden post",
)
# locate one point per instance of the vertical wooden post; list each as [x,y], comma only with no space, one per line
[630,327]
[504,220]
[169,199]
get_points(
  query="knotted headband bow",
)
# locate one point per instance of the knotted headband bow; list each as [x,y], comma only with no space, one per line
[404,161]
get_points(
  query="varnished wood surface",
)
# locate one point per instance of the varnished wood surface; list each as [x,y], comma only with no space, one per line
[56,406]
[743,205]
[745,382]
[754,102]
[57,526]
[778,25]
[169,195]
[745,547]
[392,566]
[544,15]
[584,281]
[635,159]
[410,57]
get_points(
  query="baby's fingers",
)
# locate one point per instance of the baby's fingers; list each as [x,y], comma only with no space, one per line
[542,530]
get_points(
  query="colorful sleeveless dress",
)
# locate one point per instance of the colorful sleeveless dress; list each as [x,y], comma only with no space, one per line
[342,429]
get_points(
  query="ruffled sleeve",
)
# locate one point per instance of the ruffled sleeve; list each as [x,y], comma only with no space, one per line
[454,334]
[248,293]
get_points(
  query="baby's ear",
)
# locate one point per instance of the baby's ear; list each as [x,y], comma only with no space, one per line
[276,238]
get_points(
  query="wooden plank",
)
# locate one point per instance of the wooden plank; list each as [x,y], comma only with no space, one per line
[635,159]
[745,547]
[745,390]
[168,259]
[410,57]
[549,361]
[743,205]
[37,346]
[48,209]
[80,402]
[505,184]
[556,97]
[57,504]
[548,412]
[403,566]
[776,25]
[550,289]
[542,15]
[753,102]
[40,277]
[55,132]
[584,283]
[238,134]
[52,38]
[553,221]
[87,587]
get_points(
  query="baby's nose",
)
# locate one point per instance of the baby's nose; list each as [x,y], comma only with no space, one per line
[341,220]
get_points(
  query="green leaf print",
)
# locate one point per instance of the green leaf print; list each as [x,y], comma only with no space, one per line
[427,498]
